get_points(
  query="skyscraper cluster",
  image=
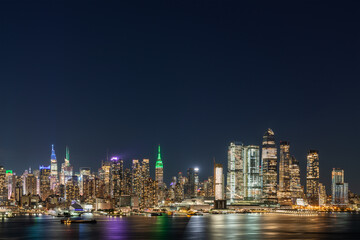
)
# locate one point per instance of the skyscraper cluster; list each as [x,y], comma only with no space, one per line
[275,179]
[256,175]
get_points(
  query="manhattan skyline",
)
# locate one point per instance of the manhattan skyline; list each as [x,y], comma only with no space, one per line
[188,76]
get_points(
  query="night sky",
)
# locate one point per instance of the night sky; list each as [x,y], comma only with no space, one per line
[189,75]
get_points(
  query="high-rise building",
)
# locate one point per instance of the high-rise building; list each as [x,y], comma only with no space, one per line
[104,175]
[66,169]
[312,177]
[339,187]
[116,176]
[145,168]
[295,184]
[159,170]
[252,173]
[284,192]
[269,168]
[45,173]
[72,189]
[322,194]
[148,193]
[3,185]
[54,169]
[136,178]
[190,185]
[85,173]
[219,182]
[235,174]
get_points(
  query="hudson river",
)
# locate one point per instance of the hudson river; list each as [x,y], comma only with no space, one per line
[244,226]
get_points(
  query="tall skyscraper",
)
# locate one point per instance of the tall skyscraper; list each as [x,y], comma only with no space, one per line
[159,171]
[235,175]
[252,173]
[66,169]
[269,168]
[312,177]
[295,184]
[54,169]
[45,174]
[219,181]
[190,184]
[339,188]
[284,194]
[116,176]
[136,178]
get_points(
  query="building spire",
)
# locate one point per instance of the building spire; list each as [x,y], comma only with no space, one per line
[67,154]
[159,163]
[53,156]
[159,154]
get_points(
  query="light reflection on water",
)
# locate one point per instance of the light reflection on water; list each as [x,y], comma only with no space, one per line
[271,226]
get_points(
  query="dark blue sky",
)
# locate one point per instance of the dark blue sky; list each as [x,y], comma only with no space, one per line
[190,75]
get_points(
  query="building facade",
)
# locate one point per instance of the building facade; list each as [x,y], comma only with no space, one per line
[269,168]
[312,177]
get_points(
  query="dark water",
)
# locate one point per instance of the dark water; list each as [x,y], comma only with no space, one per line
[331,226]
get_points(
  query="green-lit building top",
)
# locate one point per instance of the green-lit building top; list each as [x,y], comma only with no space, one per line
[159,163]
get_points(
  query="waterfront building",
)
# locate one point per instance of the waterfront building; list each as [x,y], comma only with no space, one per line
[148,197]
[44,178]
[269,168]
[116,177]
[312,177]
[339,189]
[252,173]
[284,192]
[159,170]
[219,182]
[235,173]
[296,190]
[190,185]
[322,195]
[54,169]
[3,185]
[11,183]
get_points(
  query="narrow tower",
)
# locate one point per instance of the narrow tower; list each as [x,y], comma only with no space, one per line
[159,171]
[269,168]
[54,169]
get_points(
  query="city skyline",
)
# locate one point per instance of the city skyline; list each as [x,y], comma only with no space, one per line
[203,176]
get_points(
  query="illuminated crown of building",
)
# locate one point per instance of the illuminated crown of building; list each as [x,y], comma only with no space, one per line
[159,163]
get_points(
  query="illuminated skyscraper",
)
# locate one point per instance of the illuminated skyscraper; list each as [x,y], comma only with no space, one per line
[45,173]
[269,168]
[252,173]
[66,169]
[3,185]
[159,171]
[322,194]
[284,194]
[339,188]
[295,184]
[312,177]
[85,173]
[235,174]
[54,169]
[136,178]
[116,176]
[219,182]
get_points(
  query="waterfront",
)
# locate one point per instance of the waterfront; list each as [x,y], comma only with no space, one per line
[229,226]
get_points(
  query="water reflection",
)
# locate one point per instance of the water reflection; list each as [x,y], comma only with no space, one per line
[247,226]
